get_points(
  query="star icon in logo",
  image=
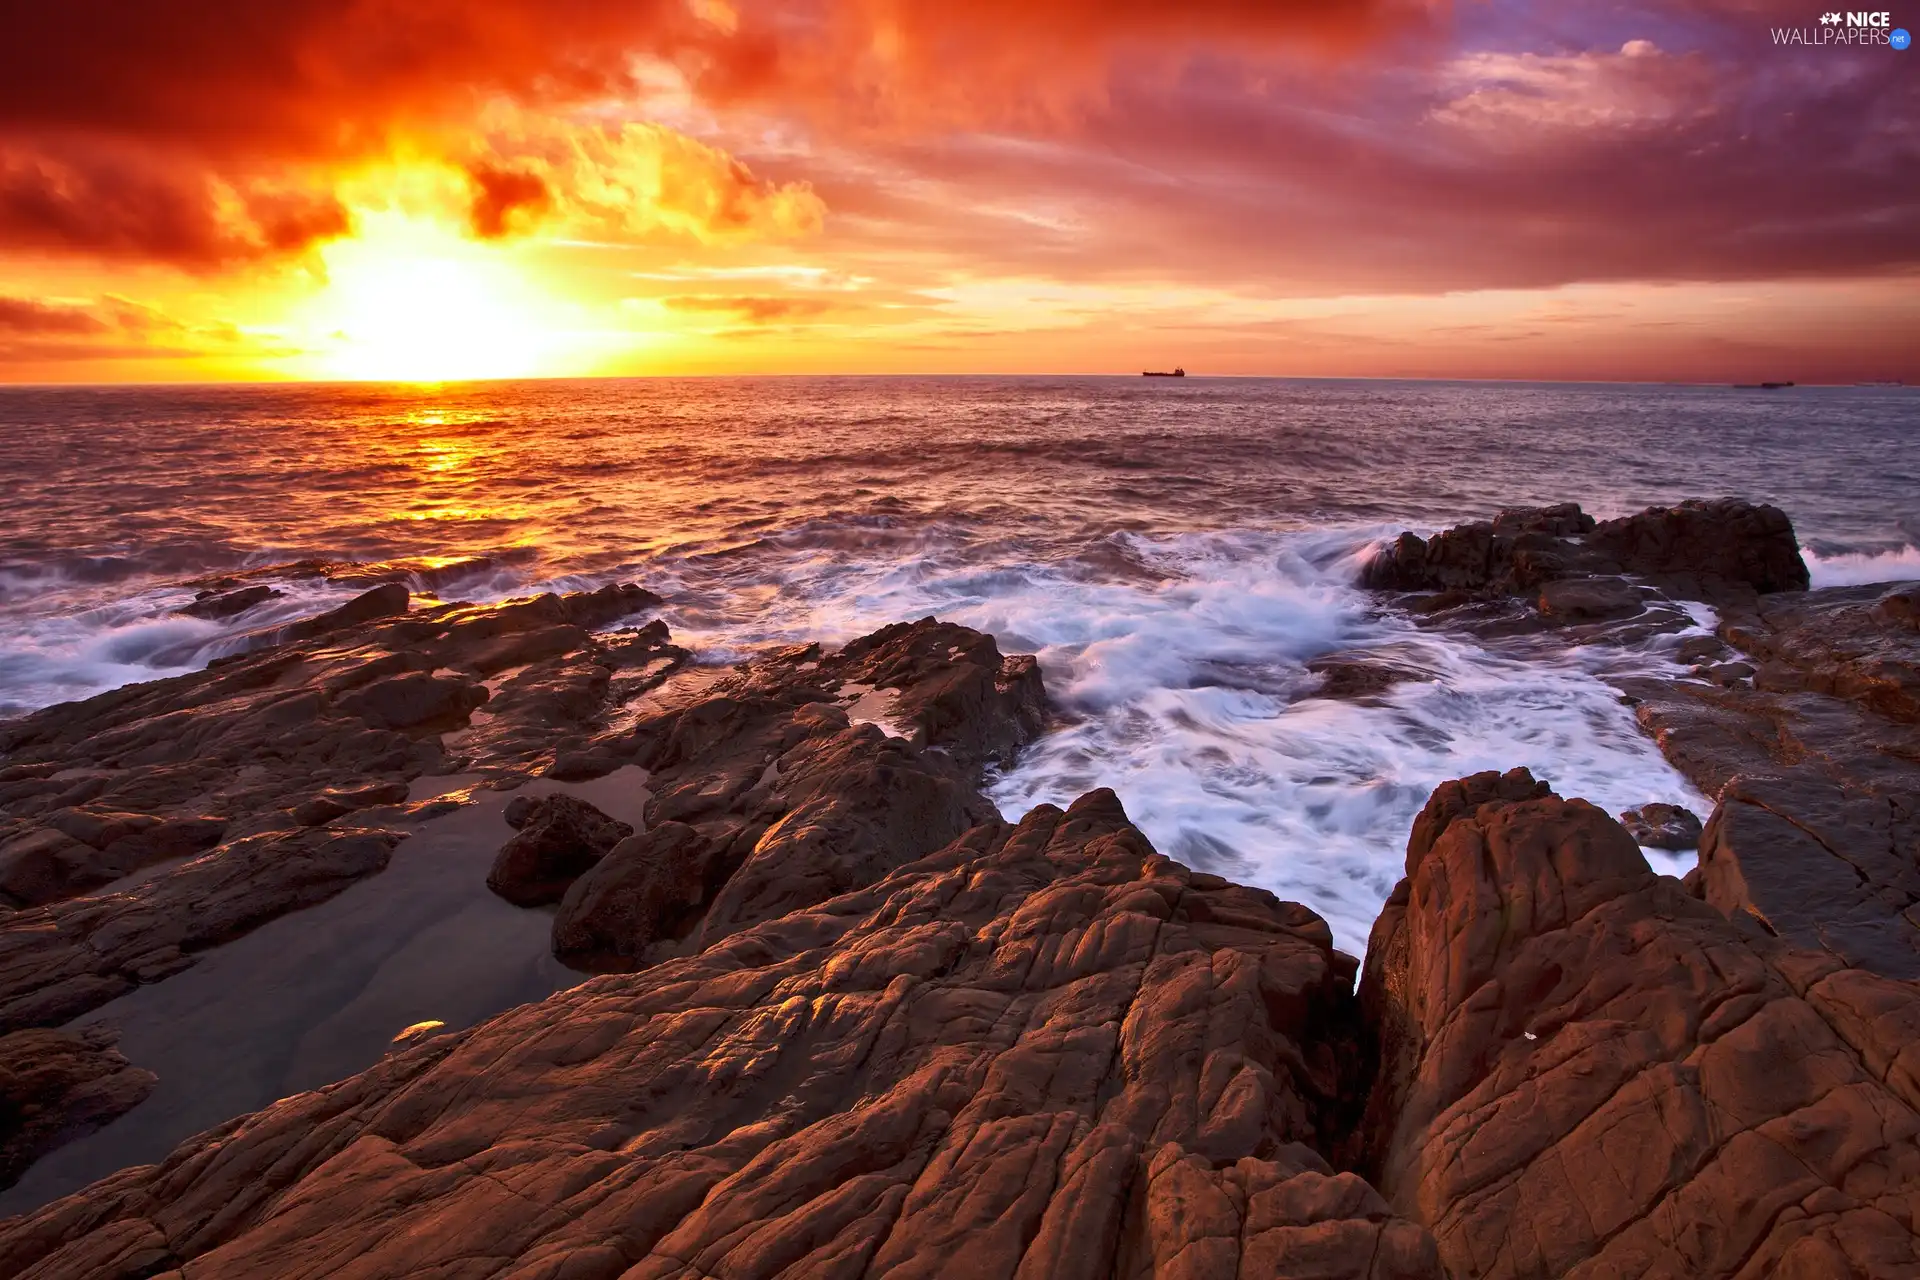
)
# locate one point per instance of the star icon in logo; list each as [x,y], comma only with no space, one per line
[1829,19]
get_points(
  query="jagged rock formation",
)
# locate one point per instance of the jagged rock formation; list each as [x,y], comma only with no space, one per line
[853,1024]
[1043,1050]
[1572,572]
[768,796]
[1586,1071]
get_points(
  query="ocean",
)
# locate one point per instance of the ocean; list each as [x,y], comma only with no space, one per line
[1175,552]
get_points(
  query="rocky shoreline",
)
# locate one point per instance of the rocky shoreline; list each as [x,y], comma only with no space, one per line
[849,1022]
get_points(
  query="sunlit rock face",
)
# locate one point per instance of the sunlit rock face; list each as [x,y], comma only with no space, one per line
[1585,1070]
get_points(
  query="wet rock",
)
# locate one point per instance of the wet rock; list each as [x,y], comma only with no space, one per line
[1829,688]
[1728,675]
[381,602]
[1351,678]
[793,800]
[278,771]
[649,890]
[77,850]
[1581,599]
[560,837]
[1662,826]
[1900,608]
[1590,1072]
[1698,649]
[1821,866]
[1043,1049]
[215,605]
[1720,544]
[1562,520]
[330,805]
[56,1086]
[952,687]
[414,700]
[1700,550]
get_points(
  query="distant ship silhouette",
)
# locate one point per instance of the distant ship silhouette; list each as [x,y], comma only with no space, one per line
[1162,373]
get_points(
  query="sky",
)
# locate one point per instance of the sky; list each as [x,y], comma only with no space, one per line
[440,189]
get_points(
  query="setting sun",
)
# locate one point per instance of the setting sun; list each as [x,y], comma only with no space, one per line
[408,300]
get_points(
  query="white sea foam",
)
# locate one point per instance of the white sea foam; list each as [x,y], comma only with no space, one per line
[1852,569]
[1182,675]
[1178,664]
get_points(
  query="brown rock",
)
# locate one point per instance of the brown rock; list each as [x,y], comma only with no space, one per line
[1352,678]
[1585,598]
[381,602]
[1900,607]
[1596,1074]
[213,605]
[56,1086]
[650,889]
[1706,550]
[414,700]
[82,849]
[560,837]
[1819,866]
[1042,1051]
[1663,826]
[60,960]
[952,686]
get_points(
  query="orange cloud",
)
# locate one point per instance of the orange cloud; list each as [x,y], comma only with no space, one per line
[109,203]
[49,331]
[630,182]
[759,308]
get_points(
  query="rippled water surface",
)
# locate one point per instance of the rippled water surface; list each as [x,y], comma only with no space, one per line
[1174,551]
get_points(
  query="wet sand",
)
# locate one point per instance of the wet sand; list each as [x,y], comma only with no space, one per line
[315,996]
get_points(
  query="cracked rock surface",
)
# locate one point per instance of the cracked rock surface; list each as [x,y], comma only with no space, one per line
[1043,1050]
[1587,1072]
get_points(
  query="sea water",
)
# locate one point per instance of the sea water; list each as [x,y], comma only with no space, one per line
[1174,552]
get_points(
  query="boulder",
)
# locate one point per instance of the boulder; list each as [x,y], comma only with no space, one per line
[1584,1071]
[952,688]
[414,700]
[560,837]
[1723,549]
[384,601]
[215,605]
[56,1086]
[1351,678]
[1582,599]
[648,890]
[1662,826]
[1720,543]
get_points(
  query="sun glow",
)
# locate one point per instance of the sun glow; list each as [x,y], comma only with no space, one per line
[408,300]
